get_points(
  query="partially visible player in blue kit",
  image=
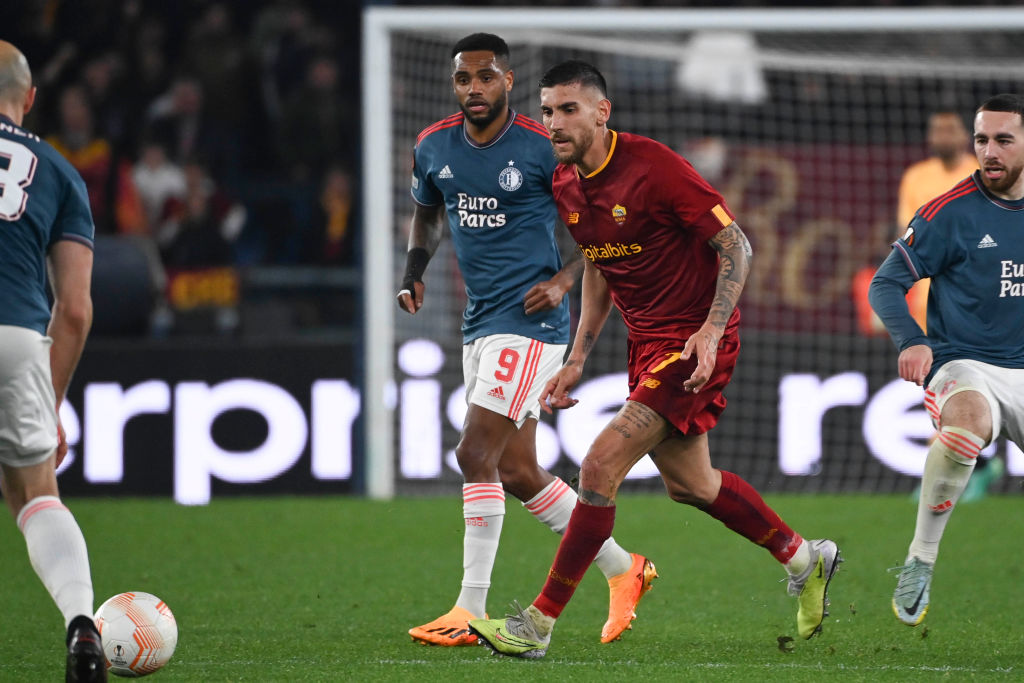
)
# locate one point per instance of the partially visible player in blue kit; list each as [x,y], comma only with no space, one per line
[968,241]
[490,168]
[44,222]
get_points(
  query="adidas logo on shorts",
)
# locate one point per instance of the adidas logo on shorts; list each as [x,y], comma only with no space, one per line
[446,173]
[496,392]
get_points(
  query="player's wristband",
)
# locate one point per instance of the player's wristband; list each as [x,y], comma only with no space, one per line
[415,263]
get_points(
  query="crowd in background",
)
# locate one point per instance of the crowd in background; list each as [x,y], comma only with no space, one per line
[215,136]
[223,133]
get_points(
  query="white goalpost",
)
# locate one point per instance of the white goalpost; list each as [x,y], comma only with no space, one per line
[802,117]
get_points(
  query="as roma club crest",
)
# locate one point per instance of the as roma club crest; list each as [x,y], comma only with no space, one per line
[619,213]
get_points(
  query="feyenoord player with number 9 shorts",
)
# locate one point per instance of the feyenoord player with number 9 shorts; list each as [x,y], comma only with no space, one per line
[491,169]
[662,246]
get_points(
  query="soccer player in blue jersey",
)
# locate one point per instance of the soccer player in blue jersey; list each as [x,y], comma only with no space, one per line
[44,222]
[490,169]
[971,362]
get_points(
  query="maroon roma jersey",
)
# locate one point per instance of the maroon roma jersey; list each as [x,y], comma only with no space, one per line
[644,219]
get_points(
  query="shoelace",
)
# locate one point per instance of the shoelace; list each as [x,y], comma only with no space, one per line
[520,624]
[910,578]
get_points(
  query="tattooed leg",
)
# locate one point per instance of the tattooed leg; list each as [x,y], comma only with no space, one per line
[635,430]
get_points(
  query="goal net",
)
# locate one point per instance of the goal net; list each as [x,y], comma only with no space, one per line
[804,120]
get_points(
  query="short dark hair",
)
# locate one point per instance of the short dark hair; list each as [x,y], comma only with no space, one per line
[574,71]
[485,42]
[1008,102]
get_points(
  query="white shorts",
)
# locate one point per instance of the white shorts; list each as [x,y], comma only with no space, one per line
[505,373]
[1003,388]
[28,407]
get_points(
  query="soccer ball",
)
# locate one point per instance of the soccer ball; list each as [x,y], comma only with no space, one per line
[139,633]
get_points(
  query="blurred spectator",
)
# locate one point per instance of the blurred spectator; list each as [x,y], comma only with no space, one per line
[178,121]
[147,66]
[102,79]
[175,118]
[216,55]
[157,180]
[332,241]
[284,39]
[199,229]
[115,204]
[317,127]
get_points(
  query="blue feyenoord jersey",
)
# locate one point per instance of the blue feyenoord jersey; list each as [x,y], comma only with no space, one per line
[969,243]
[42,200]
[502,219]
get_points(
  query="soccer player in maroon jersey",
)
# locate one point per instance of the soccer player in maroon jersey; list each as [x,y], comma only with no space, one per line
[662,245]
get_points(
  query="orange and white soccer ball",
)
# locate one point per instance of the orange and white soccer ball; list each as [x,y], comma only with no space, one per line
[139,633]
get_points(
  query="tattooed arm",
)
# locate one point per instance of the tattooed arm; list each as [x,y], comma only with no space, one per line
[596,304]
[734,256]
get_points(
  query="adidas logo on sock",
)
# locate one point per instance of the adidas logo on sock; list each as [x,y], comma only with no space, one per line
[446,173]
[985,242]
[496,392]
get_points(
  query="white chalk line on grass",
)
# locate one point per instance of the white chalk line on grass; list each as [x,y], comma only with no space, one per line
[724,665]
[652,665]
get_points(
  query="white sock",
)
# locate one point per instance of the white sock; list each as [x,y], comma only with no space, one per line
[57,551]
[483,507]
[801,559]
[554,505]
[951,459]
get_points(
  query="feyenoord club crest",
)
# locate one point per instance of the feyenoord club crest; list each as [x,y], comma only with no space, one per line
[510,178]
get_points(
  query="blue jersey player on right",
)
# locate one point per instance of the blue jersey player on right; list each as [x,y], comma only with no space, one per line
[44,222]
[968,241]
[490,168]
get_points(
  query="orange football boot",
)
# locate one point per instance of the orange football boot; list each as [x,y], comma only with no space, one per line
[625,591]
[448,630]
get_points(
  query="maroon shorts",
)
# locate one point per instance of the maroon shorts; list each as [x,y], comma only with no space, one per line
[657,373]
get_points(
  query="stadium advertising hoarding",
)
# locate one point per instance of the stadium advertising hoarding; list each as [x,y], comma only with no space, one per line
[193,422]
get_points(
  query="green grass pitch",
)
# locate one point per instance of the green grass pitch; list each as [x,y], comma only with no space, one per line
[324,589]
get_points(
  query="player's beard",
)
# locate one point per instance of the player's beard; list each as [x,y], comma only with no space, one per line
[1003,184]
[495,109]
[578,148]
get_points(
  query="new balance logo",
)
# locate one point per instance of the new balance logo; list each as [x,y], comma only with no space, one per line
[987,242]
[496,392]
[446,173]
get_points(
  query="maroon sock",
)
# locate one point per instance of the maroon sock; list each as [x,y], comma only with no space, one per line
[741,508]
[589,527]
